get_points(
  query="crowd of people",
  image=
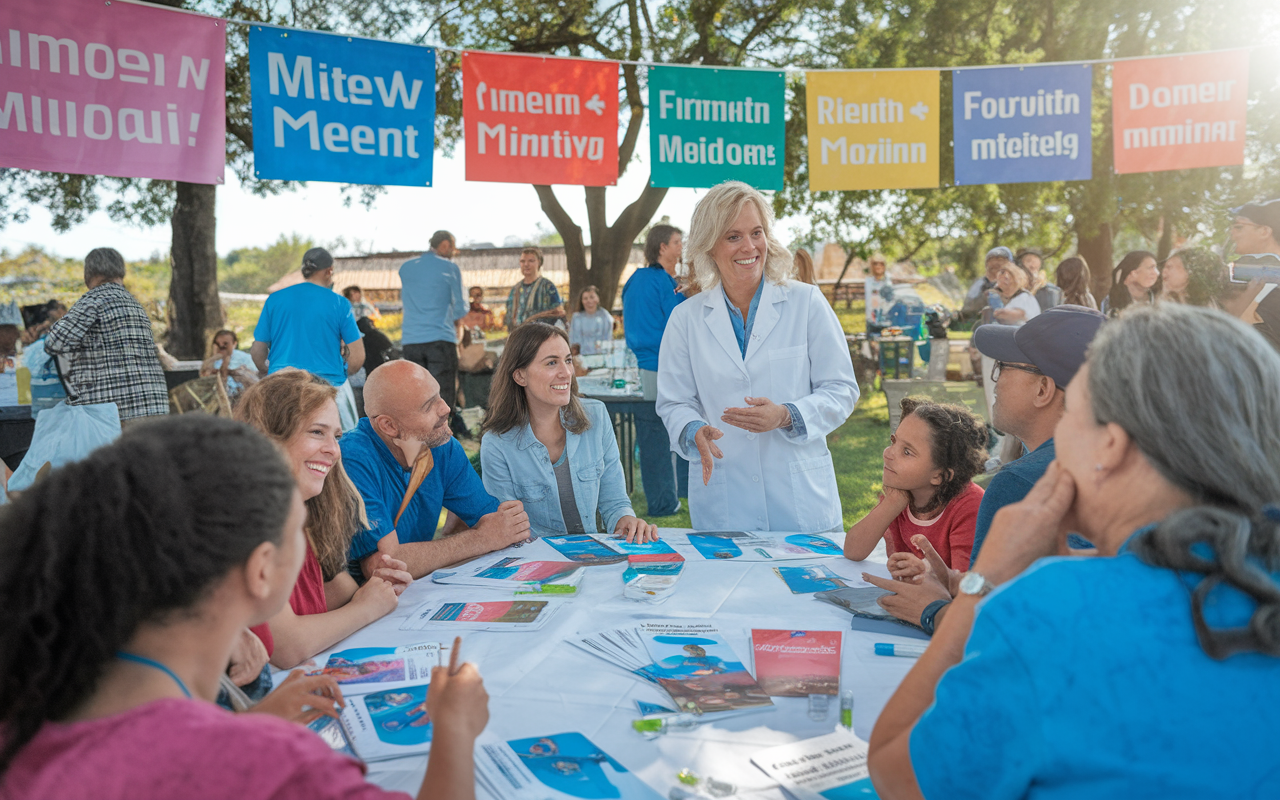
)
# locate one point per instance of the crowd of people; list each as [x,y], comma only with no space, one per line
[1105,616]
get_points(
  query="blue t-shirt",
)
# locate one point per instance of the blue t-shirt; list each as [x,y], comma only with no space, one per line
[431,289]
[382,482]
[1084,678]
[1010,485]
[305,327]
[647,302]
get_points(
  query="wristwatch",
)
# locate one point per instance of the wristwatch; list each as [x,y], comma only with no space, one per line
[975,584]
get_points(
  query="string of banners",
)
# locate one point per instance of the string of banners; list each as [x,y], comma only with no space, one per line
[130,90]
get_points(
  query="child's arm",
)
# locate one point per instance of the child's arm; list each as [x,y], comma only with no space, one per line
[862,537]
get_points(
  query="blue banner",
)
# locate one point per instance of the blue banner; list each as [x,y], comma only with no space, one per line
[334,108]
[1023,125]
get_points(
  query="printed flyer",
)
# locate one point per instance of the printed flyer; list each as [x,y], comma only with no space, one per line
[368,669]
[831,767]
[700,672]
[797,663]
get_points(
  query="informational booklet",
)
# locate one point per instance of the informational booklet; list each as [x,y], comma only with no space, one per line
[745,546]
[699,670]
[585,549]
[860,601]
[482,615]
[649,552]
[512,572]
[368,669]
[797,663]
[809,579]
[831,767]
[390,724]
[569,767]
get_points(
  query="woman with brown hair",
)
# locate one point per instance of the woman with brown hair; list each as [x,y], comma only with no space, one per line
[298,412]
[546,447]
[1073,280]
[591,325]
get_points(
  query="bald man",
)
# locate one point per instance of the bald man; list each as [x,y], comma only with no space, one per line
[407,419]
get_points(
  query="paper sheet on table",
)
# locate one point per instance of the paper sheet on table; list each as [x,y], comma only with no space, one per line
[482,615]
[701,591]
[569,767]
[370,669]
[831,766]
[760,546]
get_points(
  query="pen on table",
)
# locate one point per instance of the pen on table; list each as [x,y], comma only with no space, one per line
[904,650]
[453,655]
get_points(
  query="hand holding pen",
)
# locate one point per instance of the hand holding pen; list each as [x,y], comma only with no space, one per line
[457,700]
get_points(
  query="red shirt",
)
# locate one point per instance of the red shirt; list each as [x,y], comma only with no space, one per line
[308,595]
[950,533]
[184,748]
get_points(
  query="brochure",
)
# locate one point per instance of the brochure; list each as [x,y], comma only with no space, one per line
[831,767]
[486,615]
[569,765]
[368,669]
[745,546]
[797,663]
[700,672]
[806,580]
[512,572]
[585,549]
[389,724]
[649,552]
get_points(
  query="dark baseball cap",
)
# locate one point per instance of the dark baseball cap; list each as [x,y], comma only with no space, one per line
[1265,213]
[999,252]
[314,260]
[1054,342]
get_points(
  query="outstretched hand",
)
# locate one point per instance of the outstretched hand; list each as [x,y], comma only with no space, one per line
[705,438]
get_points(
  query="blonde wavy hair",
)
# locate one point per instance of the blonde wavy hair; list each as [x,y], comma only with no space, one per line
[714,215]
[279,406]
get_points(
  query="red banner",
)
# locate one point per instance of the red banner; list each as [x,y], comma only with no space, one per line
[540,120]
[1180,112]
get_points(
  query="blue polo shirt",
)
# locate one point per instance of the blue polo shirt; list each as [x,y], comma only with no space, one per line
[382,482]
[647,302]
[431,290]
[305,326]
[1084,678]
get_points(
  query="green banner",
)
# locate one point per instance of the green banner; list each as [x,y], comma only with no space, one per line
[707,126]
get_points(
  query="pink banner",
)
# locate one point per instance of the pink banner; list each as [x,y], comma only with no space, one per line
[112,88]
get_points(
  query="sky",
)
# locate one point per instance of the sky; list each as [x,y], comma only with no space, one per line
[402,219]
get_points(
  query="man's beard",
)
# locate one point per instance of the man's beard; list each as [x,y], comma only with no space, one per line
[431,437]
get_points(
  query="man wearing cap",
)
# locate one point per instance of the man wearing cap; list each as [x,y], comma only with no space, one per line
[311,327]
[1256,228]
[976,298]
[1034,363]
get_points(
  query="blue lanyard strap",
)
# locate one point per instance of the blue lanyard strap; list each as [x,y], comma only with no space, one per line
[149,662]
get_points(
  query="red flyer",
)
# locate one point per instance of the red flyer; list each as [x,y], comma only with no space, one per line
[531,119]
[797,663]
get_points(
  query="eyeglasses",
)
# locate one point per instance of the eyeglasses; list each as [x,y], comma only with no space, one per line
[1001,365]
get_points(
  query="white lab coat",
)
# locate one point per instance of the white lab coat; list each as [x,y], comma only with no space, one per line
[797,354]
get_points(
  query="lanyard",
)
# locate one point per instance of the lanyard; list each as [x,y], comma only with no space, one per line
[149,662]
[420,469]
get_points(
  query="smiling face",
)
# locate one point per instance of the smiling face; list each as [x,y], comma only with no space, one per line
[529,267]
[1175,275]
[740,252]
[548,379]
[1144,277]
[590,302]
[313,450]
[908,460]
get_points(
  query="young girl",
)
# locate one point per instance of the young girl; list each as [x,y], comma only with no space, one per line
[550,449]
[126,581]
[296,410]
[928,467]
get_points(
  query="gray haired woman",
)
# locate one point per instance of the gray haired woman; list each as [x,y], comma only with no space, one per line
[1152,669]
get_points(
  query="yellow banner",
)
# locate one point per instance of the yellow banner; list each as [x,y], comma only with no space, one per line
[873,130]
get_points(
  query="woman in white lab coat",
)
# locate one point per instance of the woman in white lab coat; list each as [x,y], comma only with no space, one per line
[753,374]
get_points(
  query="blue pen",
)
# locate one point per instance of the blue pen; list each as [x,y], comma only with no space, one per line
[904,650]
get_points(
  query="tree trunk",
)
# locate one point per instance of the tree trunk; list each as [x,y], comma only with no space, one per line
[1094,246]
[195,311]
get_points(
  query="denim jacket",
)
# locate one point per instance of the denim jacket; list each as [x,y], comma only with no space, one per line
[516,466]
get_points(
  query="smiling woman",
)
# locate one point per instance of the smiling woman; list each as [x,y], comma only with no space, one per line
[766,356]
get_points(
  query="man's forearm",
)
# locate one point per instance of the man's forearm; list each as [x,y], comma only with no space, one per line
[423,558]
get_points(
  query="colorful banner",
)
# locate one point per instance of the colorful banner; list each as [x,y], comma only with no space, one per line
[119,89]
[873,130]
[335,108]
[540,120]
[1022,125]
[707,126]
[1179,112]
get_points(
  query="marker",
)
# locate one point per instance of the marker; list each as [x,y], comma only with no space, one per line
[904,650]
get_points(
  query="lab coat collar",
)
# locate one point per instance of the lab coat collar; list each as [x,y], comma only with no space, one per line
[716,314]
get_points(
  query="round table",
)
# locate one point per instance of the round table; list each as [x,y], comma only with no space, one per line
[539,684]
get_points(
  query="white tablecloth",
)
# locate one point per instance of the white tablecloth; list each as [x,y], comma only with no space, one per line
[539,684]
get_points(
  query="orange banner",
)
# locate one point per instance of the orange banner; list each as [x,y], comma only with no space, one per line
[1180,112]
[540,120]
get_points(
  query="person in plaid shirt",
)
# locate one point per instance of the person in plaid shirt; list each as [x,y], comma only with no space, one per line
[107,353]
